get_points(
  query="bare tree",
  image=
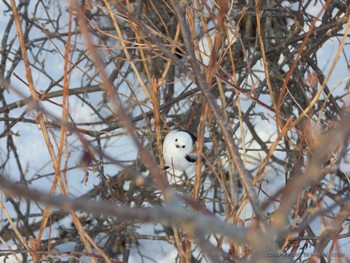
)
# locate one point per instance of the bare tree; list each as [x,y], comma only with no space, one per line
[90,88]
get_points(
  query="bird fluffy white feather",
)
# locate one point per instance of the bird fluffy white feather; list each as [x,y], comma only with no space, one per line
[179,150]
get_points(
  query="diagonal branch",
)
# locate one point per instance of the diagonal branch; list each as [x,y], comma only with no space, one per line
[179,216]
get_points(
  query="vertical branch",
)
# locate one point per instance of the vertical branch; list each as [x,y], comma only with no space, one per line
[199,147]
[40,119]
[263,54]
[231,146]
[65,102]
[157,127]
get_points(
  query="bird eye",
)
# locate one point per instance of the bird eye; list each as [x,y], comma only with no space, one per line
[176,140]
[183,146]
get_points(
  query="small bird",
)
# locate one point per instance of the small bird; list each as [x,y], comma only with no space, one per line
[179,150]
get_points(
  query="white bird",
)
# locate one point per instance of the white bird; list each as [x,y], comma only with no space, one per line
[179,150]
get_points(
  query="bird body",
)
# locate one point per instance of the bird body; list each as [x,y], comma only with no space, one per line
[179,150]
